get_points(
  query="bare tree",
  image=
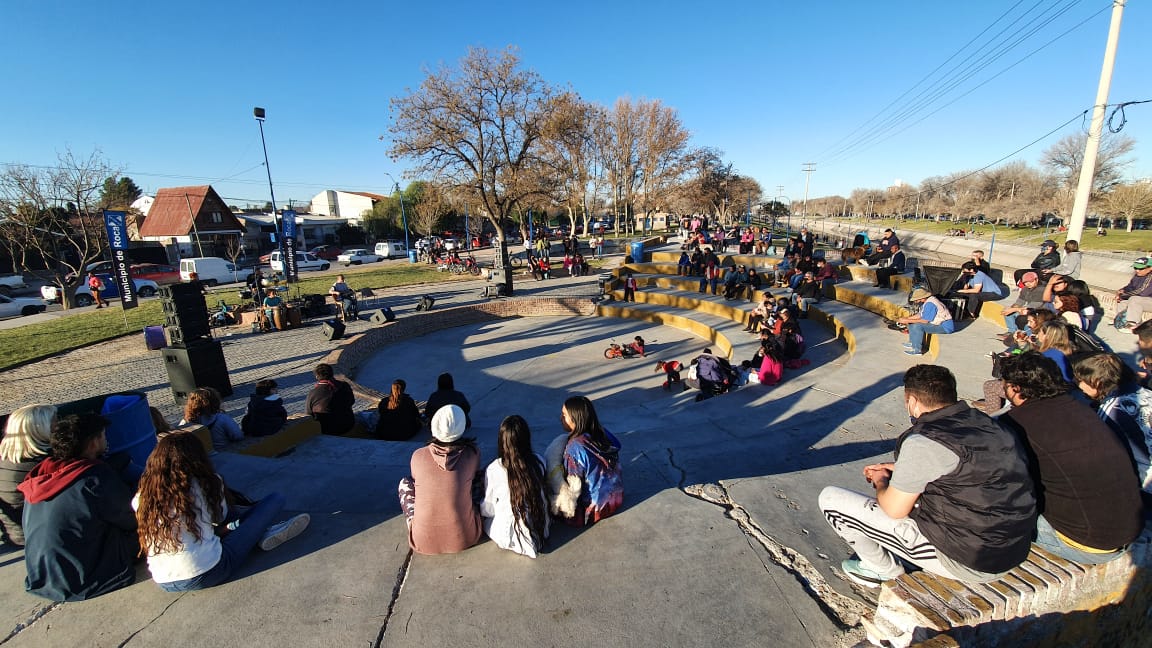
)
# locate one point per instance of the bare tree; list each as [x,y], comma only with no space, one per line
[426,203]
[568,154]
[662,158]
[1130,202]
[53,213]
[1065,158]
[477,128]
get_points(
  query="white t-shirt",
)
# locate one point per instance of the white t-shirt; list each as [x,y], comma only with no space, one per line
[496,509]
[196,556]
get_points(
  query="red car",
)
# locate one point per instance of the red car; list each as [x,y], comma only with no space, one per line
[326,252]
[158,272]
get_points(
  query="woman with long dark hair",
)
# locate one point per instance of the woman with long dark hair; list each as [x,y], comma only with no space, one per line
[591,454]
[183,519]
[514,509]
[399,415]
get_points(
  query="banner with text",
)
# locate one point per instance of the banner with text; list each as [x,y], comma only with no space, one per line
[290,245]
[117,228]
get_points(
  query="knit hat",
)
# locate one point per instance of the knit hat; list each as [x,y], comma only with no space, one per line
[919,294]
[1030,276]
[448,424]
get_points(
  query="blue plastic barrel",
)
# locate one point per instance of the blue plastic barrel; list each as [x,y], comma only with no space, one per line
[130,428]
[412,256]
[637,251]
[154,337]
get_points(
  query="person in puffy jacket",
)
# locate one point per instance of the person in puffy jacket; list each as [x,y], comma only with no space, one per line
[266,414]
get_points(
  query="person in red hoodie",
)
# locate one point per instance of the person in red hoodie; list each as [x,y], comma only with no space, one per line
[79,527]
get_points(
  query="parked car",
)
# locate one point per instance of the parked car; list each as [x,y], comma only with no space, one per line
[452,243]
[391,249]
[144,288]
[11,283]
[326,252]
[357,256]
[158,272]
[213,270]
[304,261]
[19,306]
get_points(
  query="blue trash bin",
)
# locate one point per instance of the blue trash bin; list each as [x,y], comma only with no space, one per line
[636,251]
[130,428]
[412,256]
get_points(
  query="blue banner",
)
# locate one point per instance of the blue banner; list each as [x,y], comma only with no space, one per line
[116,226]
[289,262]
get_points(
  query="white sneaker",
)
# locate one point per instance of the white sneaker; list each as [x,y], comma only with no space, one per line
[279,533]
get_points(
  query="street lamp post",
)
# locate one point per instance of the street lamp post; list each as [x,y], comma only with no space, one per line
[403,218]
[258,113]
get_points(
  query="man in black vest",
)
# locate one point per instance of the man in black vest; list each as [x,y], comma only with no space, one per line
[1088,491]
[958,502]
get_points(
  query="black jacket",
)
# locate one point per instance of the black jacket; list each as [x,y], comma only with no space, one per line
[983,513]
[266,415]
[399,424]
[442,397]
[80,530]
[330,403]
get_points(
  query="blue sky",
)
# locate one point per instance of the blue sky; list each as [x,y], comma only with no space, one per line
[166,90]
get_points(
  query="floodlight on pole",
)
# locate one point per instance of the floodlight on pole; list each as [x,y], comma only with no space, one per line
[259,114]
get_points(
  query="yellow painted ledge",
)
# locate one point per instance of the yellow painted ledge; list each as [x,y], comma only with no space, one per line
[622,309]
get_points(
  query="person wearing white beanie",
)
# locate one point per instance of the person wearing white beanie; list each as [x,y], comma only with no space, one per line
[443,517]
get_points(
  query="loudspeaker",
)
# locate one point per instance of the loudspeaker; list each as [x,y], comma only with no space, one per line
[333,329]
[185,313]
[179,336]
[383,315]
[200,365]
[426,303]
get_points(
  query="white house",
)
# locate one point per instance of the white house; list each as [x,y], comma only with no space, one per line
[349,205]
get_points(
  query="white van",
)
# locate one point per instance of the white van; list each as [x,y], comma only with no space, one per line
[391,249]
[304,261]
[213,270]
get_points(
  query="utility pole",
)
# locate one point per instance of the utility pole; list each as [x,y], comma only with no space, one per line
[809,167]
[1092,146]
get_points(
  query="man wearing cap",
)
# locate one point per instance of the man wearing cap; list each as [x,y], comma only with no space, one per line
[1044,262]
[1031,298]
[978,288]
[1136,297]
[885,248]
[932,318]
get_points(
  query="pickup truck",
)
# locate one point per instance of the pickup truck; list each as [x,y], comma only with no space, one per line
[11,283]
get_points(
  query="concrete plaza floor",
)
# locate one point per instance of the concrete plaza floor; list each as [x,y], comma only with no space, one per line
[720,542]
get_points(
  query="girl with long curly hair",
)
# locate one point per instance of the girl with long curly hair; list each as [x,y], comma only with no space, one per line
[514,508]
[203,408]
[184,522]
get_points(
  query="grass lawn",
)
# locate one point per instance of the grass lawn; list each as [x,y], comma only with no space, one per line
[26,343]
[1117,239]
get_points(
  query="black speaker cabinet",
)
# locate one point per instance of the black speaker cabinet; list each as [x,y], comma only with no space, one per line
[199,365]
[383,315]
[426,303]
[333,329]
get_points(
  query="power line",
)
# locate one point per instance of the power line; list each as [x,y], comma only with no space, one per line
[985,55]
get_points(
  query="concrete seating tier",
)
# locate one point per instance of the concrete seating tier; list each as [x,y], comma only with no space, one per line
[857,272]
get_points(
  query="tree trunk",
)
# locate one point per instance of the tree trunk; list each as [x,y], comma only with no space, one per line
[504,263]
[1129,227]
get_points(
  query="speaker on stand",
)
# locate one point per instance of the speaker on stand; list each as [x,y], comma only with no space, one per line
[193,359]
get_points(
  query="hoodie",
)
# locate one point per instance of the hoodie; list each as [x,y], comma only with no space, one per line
[266,415]
[79,529]
[446,519]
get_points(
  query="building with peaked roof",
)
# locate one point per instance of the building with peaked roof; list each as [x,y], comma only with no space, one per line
[195,219]
[349,205]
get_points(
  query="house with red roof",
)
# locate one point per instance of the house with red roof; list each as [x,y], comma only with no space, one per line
[195,219]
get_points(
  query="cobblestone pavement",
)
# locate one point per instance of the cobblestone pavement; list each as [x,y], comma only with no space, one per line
[125,364]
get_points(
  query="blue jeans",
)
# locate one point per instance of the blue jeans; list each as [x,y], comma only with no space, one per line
[916,333]
[805,302]
[1046,537]
[234,546]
